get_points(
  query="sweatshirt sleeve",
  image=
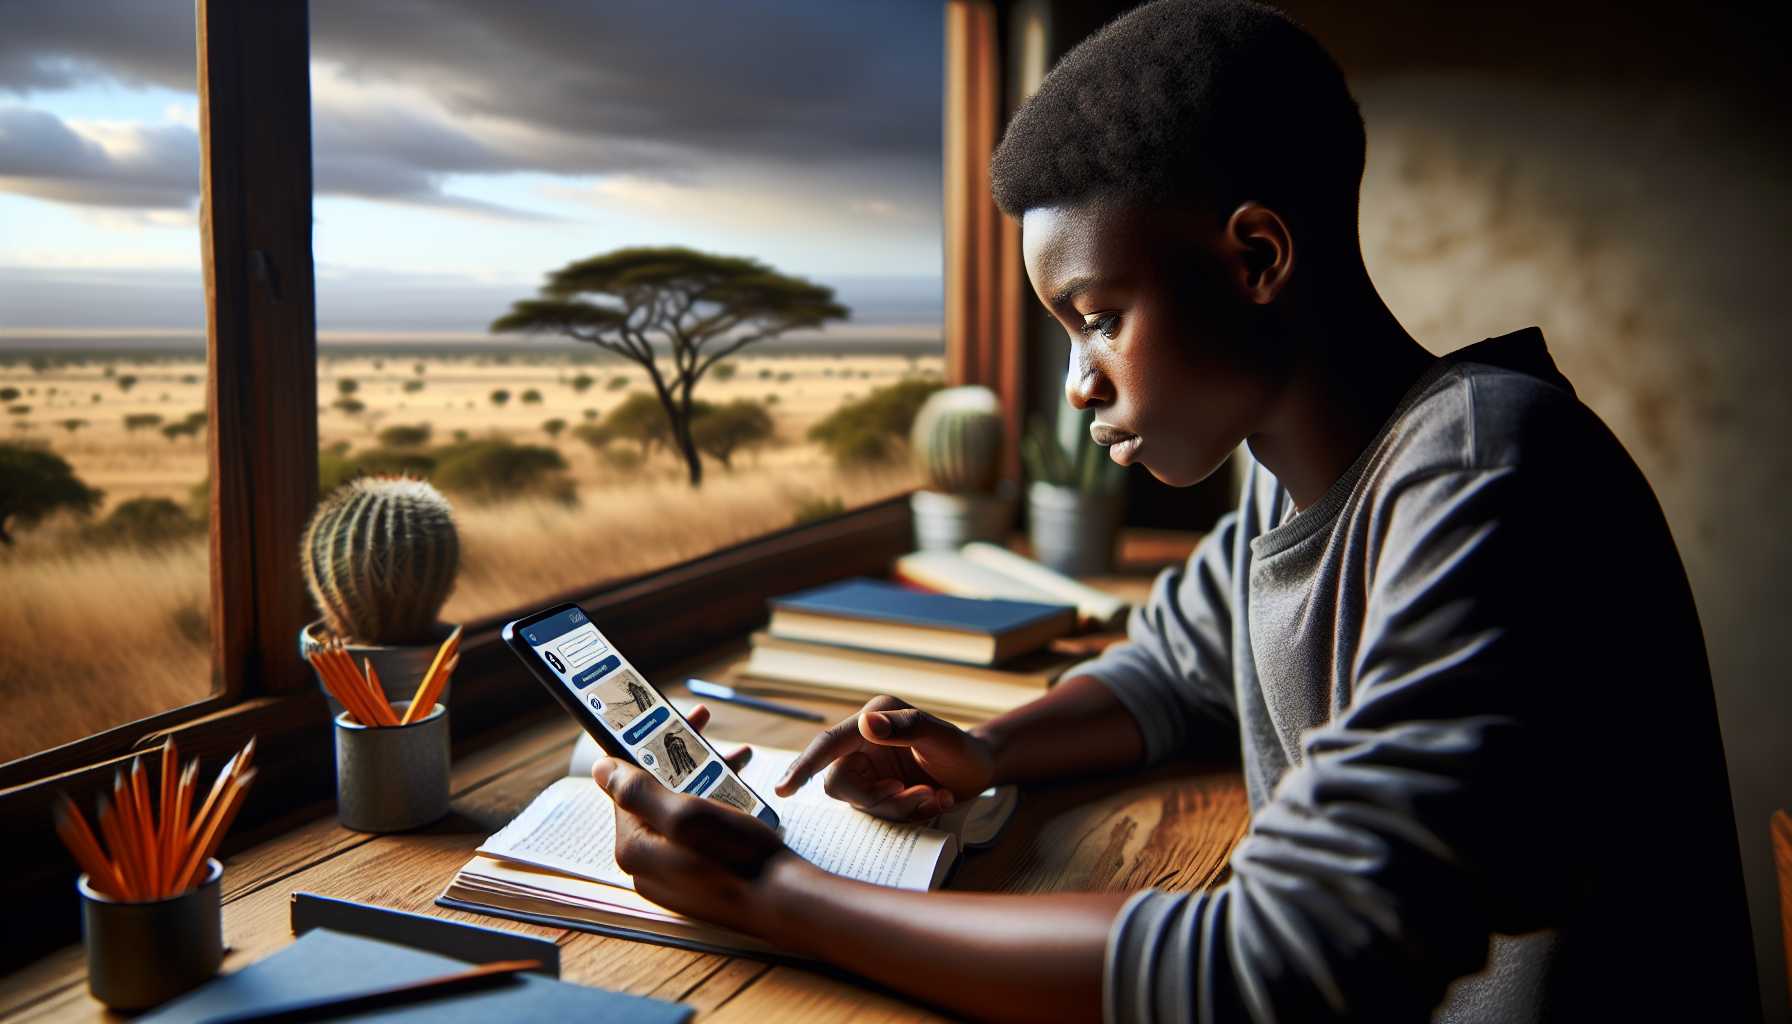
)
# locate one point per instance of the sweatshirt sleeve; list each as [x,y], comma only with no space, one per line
[1174,670]
[1409,831]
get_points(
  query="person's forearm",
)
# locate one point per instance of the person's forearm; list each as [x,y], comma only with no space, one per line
[989,956]
[1078,728]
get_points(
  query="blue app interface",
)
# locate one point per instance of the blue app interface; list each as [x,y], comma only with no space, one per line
[632,711]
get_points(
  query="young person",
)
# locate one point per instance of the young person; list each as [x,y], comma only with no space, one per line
[1446,628]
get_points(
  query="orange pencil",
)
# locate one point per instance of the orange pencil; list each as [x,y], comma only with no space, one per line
[344,690]
[375,703]
[192,871]
[129,852]
[211,801]
[114,833]
[183,807]
[71,826]
[165,809]
[436,685]
[146,829]
[429,688]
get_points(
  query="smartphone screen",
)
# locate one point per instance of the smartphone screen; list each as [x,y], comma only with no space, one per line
[631,710]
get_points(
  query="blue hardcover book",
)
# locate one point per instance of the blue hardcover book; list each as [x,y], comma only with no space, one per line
[878,616]
[322,963]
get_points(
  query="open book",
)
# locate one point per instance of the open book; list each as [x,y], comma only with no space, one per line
[555,863]
[980,569]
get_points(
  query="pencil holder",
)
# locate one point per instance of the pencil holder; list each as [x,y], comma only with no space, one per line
[141,954]
[395,778]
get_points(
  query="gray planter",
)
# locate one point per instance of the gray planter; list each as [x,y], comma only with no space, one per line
[400,668]
[947,522]
[1071,531]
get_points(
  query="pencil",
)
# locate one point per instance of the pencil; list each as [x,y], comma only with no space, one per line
[128,852]
[71,826]
[114,833]
[183,807]
[165,823]
[375,701]
[192,872]
[146,829]
[423,699]
[345,692]
[211,801]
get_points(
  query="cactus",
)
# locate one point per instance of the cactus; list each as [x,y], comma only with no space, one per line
[1067,456]
[956,440]
[380,556]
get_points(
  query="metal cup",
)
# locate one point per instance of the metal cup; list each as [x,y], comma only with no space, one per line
[392,779]
[141,954]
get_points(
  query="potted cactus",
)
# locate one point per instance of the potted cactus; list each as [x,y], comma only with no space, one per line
[379,557]
[956,443]
[1075,501]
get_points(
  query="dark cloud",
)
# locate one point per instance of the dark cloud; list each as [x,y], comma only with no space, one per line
[42,156]
[846,91]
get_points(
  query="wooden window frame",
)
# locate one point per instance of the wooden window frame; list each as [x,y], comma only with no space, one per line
[256,193]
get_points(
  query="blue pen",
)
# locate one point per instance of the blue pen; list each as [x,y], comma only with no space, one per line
[716,691]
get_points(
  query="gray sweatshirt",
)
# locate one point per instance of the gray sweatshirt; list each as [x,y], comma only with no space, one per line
[1477,728]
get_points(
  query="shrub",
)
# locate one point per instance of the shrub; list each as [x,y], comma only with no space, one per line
[126,382]
[411,387]
[623,460]
[531,397]
[765,374]
[419,369]
[72,424]
[811,509]
[405,436]
[136,421]
[347,386]
[351,406]
[9,394]
[868,429]
[641,419]
[721,431]
[493,470]
[145,523]
[36,482]
[724,371]
[591,414]
[583,382]
[617,383]
[554,426]
[500,396]
[596,435]
[18,410]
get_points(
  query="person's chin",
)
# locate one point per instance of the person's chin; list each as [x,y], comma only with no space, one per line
[1180,474]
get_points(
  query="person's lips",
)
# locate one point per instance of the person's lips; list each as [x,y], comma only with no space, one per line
[1122,446]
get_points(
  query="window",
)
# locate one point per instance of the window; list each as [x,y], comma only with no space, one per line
[104,476]
[462,157]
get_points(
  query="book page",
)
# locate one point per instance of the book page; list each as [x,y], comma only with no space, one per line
[571,828]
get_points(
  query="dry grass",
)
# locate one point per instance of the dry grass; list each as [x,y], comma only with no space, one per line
[91,637]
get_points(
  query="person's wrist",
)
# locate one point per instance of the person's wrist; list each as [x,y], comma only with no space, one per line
[993,739]
[788,887]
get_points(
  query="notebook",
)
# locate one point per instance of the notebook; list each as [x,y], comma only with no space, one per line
[555,863]
[958,692]
[323,963]
[881,616]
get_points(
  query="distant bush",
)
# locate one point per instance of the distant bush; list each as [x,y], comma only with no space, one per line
[8,394]
[35,483]
[765,374]
[591,414]
[623,460]
[872,428]
[583,382]
[460,435]
[596,435]
[500,396]
[411,387]
[554,426]
[136,421]
[351,406]
[617,383]
[722,431]
[724,371]
[190,378]
[641,419]
[72,424]
[347,386]
[531,397]
[126,382]
[420,369]
[18,410]
[810,509]
[405,436]
[494,470]
[145,523]
[771,399]
[785,377]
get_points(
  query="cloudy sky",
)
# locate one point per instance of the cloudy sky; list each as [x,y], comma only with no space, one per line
[462,148]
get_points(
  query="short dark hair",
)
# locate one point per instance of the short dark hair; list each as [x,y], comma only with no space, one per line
[1190,101]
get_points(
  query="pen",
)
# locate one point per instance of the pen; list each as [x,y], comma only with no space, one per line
[716,691]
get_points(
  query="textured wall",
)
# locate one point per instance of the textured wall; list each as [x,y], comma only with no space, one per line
[1645,230]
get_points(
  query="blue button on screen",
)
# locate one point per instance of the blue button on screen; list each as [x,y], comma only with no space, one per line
[705,778]
[638,732]
[596,672]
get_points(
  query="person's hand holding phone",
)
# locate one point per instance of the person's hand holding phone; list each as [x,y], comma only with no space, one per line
[896,761]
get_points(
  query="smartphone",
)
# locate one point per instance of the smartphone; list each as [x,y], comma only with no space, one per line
[626,714]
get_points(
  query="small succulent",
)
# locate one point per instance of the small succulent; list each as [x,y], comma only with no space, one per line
[1068,456]
[380,556]
[956,440]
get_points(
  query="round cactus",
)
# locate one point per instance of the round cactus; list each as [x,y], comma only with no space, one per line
[380,556]
[957,440]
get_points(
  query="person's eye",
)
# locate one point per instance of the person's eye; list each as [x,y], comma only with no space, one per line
[1107,323]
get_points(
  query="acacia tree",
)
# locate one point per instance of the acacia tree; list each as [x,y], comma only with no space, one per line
[674,311]
[35,483]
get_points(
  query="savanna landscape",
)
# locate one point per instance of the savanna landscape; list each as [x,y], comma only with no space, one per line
[106,610]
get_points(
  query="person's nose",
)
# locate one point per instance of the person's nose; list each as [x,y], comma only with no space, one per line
[1084,383]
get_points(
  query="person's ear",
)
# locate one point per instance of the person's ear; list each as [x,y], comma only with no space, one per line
[1259,251]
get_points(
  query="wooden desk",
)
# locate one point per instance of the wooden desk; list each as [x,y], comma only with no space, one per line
[1173,828]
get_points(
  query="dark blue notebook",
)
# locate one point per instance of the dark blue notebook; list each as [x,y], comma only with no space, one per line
[887,602]
[884,617]
[324,963]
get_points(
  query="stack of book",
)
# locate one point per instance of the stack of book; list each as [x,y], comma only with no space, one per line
[981,648]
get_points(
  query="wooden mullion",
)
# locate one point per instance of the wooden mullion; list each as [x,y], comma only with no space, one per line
[255,117]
